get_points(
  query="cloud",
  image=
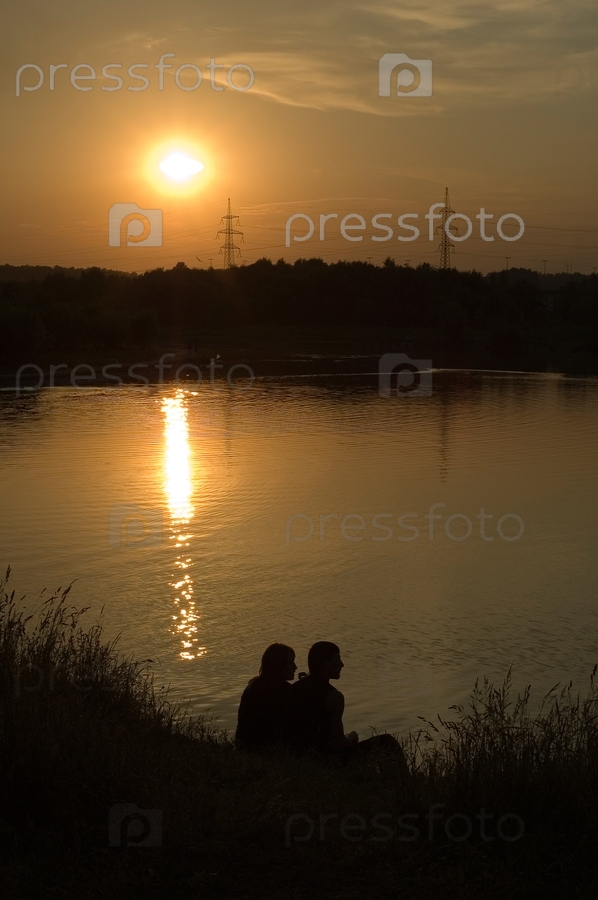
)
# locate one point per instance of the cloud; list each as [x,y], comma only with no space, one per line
[324,55]
[510,50]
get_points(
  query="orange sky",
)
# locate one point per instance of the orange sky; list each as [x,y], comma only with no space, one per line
[510,126]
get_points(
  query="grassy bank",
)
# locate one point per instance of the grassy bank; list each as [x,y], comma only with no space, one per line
[85,736]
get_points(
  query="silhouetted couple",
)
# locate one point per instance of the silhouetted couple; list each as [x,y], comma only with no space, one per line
[306,715]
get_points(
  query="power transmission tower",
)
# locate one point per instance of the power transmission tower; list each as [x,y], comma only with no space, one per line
[446,246]
[229,240]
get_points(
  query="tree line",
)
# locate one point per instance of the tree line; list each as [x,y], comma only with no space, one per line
[104,310]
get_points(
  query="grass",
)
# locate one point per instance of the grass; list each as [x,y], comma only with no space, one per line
[84,729]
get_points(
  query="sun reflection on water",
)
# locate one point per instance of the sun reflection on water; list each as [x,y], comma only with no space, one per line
[178,486]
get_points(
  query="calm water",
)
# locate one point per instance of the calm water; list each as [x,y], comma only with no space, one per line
[171,508]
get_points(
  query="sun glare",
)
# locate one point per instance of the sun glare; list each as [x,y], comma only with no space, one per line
[180,167]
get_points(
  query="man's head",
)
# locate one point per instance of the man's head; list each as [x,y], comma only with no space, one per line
[324,659]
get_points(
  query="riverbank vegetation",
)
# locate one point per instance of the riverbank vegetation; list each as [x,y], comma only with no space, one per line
[510,319]
[109,790]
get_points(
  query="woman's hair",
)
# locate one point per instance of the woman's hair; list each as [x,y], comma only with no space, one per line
[319,652]
[275,658]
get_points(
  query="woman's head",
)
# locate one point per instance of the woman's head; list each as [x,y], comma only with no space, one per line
[278,661]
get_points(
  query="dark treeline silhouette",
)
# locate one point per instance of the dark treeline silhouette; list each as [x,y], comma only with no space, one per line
[34,273]
[102,310]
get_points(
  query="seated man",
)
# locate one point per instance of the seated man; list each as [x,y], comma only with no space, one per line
[264,701]
[315,718]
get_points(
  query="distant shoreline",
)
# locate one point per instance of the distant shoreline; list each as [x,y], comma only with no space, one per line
[239,370]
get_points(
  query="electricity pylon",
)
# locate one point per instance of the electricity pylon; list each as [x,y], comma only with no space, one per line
[446,246]
[229,241]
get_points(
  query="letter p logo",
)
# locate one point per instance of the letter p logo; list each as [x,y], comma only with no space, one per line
[130,226]
[130,525]
[399,375]
[413,79]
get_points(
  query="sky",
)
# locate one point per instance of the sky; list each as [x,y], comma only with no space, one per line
[503,114]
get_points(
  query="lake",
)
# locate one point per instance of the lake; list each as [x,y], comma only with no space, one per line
[434,538]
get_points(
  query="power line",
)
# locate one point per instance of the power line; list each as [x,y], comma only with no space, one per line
[446,245]
[229,233]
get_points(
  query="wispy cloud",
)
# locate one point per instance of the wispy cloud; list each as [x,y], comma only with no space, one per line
[325,59]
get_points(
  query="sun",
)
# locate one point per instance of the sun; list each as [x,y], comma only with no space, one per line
[180,167]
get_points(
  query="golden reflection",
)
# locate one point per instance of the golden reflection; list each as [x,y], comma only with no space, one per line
[178,485]
[177,463]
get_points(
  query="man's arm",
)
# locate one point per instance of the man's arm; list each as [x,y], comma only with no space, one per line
[335,704]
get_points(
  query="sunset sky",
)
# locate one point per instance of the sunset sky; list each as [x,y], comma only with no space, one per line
[510,126]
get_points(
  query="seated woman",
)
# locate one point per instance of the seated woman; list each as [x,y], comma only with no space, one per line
[264,701]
